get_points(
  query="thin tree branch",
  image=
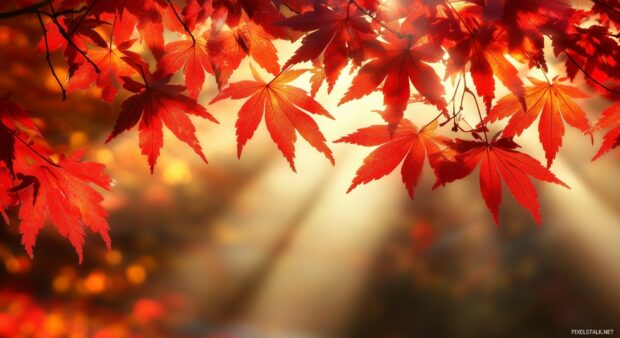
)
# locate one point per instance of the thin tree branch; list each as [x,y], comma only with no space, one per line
[372,17]
[77,24]
[68,11]
[458,15]
[36,152]
[47,57]
[458,84]
[484,128]
[181,21]
[25,10]
[72,43]
[598,2]
[590,76]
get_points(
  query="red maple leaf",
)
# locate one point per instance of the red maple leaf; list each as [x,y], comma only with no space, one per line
[337,33]
[610,118]
[152,16]
[407,145]
[285,109]
[553,102]
[395,63]
[63,194]
[156,103]
[112,65]
[498,161]
[484,49]
[193,57]
[227,48]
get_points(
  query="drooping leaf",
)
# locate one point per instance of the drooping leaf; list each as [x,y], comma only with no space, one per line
[112,65]
[285,109]
[484,49]
[155,103]
[338,34]
[193,57]
[407,145]
[395,63]
[553,102]
[227,48]
[499,161]
[62,194]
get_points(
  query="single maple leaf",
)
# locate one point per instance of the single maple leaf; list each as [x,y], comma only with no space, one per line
[63,194]
[338,33]
[285,109]
[112,65]
[553,102]
[498,161]
[152,16]
[407,145]
[156,103]
[395,63]
[484,49]
[228,48]
[610,118]
[193,57]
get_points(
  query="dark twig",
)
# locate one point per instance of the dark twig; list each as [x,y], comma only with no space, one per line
[47,57]
[36,152]
[25,10]
[590,76]
[67,11]
[72,43]
[79,22]
[458,84]
[181,21]
[458,15]
[598,2]
[484,129]
[372,17]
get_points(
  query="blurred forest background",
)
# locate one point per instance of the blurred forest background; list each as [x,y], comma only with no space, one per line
[247,248]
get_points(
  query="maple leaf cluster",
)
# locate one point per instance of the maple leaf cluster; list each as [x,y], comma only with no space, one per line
[406,50]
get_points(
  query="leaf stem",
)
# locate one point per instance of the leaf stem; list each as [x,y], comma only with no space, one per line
[48,58]
[36,152]
[70,40]
[458,15]
[482,124]
[458,84]
[590,76]
[181,21]
[79,22]
[373,18]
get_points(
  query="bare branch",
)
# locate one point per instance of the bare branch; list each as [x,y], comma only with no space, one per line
[72,43]
[181,21]
[47,57]
[25,10]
